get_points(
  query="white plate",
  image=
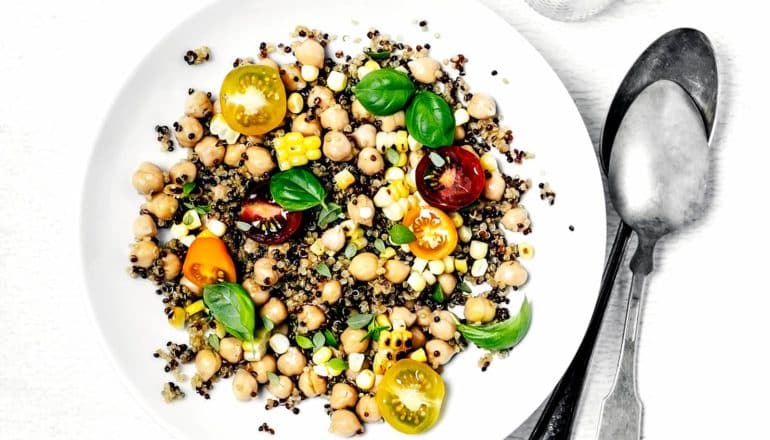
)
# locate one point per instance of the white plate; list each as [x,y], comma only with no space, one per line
[564,274]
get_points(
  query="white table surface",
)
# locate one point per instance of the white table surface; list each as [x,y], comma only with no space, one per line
[703,351]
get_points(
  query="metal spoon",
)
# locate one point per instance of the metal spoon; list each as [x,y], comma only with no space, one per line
[658,177]
[686,57]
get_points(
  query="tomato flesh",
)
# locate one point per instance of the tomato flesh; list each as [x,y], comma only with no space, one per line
[208,262]
[457,183]
[270,223]
[253,99]
[410,396]
[435,233]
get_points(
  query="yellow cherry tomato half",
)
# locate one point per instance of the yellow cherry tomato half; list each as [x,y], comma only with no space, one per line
[253,99]
[435,232]
[208,262]
[410,396]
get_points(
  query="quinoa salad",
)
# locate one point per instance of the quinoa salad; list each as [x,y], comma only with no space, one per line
[337,230]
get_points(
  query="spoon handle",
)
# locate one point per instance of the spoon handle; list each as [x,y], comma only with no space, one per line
[555,422]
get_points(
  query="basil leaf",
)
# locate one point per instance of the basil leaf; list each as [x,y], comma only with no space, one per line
[188,188]
[350,250]
[463,287]
[329,213]
[232,307]
[275,381]
[384,91]
[304,342]
[337,364]
[330,339]
[267,323]
[379,55]
[203,209]
[374,333]
[500,335]
[213,340]
[430,120]
[360,321]
[400,234]
[438,294]
[323,270]
[296,189]
[318,340]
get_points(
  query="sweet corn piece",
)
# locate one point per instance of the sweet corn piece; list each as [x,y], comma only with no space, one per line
[356,361]
[368,67]
[322,356]
[179,231]
[344,179]
[414,145]
[449,264]
[401,141]
[398,189]
[429,277]
[478,249]
[383,198]
[337,81]
[416,281]
[488,162]
[393,174]
[253,350]
[418,355]
[461,116]
[382,320]
[195,307]
[402,159]
[365,380]
[410,181]
[388,253]
[461,265]
[177,318]
[219,329]
[293,149]
[436,267]
[317,247]
[394,212]
[313,154]
[309,73]
[457,219]
[295,103]
[526,251]
[360,242]
[321,370]
[479,268]
[382,140]
[191,220]
[383,360]
[419,264]
[465,234]
[216,227]
[395,340]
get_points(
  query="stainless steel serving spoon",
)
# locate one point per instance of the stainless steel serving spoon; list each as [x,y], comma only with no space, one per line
[658,177]
[686,57]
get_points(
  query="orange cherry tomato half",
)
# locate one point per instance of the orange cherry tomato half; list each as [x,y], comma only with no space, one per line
[435,232]
[253,99]
[208,262]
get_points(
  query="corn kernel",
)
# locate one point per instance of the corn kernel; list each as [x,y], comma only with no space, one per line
[187,240]
[317,247]
[401,141]
[410,181]
[216,227]
[177,318]
[478,249]
[416,281]
[383,198]
[402,159]
[295,103]
[384,140]
[298,161]
[418,355]
[368,67]
[356,361]
[382,320]
[479,268]
[309,73]
[393,174]
[436,267]
[526,251]
[219,329]
[388,253]
[395,340]
[429,277]
[413,201]
[382,361]
[394,212]
[464,234]
[365,380]
[195,307]
[293,137]
[461,116]
[360,243]
[488,162]
[419,264]
[398,189]
[279,343]
[313,154]
[179,231]
[321,370]
[191,220]
[414,145]
[344,179]
[337,81]
[374,65]
[322,355]
[253,350]
[457,219]
[449,264]
[461,265]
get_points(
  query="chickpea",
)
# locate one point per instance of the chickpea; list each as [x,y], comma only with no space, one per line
[392,122]
[311,384]
[360,113]
[439,352]
[320,97]
[209,151]
[516,219]
[370,161]
[234,154]
[334,118]
[258,161]
[188,131]
[311,317]
[361,210]
[172,266]
[292,77]
[415,157]
[345,423]
[274,310]
[479,309]
[511,273]
[258,294]
[231,350]
[367,409]
[482,106]
[182,172]
[343,396]
[144,227]
[148,178]
[404,315]
[363,266]
[265,61]
[207,363]
[459,133]
[162,206]
[262,367]
[310,52]
[333,239]
[418,337]
[198,105]
[448,282]
[365,136]
[424,316]
[266,271]
[144,253]
[494,187]
[337,146]
[331,291]
[351,341]
[292,362]
[308,127]
[244,385]
[442,326]
[425,70]
[282,389]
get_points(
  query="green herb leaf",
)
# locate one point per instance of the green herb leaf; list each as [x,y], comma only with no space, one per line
[463,287]
[379,245]
[337,364]
[188,188]
[213,341]
[267,323]
[323,270]
[384,91]
[189,205]
[187,219]
[329,213]
[436,159]
[400,234]
[379,55]
[275,381]
[438,294]
[500,335]
[392,155]
[331,341]
[243,226]
[303,342]
[430,120]
[231,305]
[203,209]
[350,250]
[360,321]
[374,332]
[296,189]
[318,340]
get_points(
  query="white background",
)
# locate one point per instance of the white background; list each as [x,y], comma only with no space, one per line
[704,354]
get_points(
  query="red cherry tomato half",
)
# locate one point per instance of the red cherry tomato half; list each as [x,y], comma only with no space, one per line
[270,224]
[456,183]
